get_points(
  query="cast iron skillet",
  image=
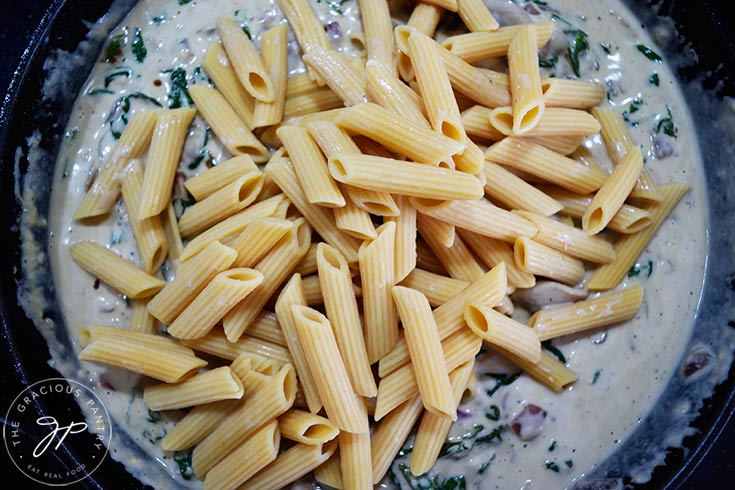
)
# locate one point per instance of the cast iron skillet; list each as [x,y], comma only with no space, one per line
[704,30]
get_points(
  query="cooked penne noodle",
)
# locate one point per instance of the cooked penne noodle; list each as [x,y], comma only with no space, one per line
[94,332]
[219,69]
[476,16]
[310,167]
[477,124]
[398,134]
[572,94]
[197,424]
[401,384]
[148,232]
[629,247]
[493,252]
[541,260]
[569,240]
[472,82]
[498,329]
[390,435]
[226,290]
[299,85]
[320,218]
[163,160]
[308,29]
[628,219]
[489,290]
[555,122]
[211,180]
[246,61]
[142,355]
[425,351]
[233,225]
[441,106]
[457,259]
[548,371]
[344,408]
[293,294]
[606,309]
[506,188]
[308,263]
[376,260]
[227,126]
[319,101]
[330,473]
[374,202]
[222,204]
[276,267]
[190,281]
[406,178]
[258,451]
[451,5]
[543,163]
[272,399]
[437,289]
[354,220]
[442,233]
[477,46]
[257,239]
[140,319]
[405,238]
[210,386]
[113,270]
[306,427]
[618,142]
[341,309]
[477,215]
[433,430]
[216,344]
[171,230]
[385,89]
[291,465]
[471,160]
[274,48]
[563,145]
[266,327]
[610,197]
[105,189]
[338,73]
[425,258]
[525,81]
[424,18]
[376,23]
[355,459]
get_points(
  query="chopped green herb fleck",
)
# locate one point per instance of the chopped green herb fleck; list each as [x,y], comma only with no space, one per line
[549,62]
[635,105]
[667,124]
[71,134]
[179,88]
[654,80]
[65,170]
[114,48]
[138,46]
[246,30]
[494,413]
[569,463]
[552,446]
[153,416]
[606,47]
[126,72]
[335,5]
[546,344]
[405,450]
[502,380]
[184,2]
[637,269]
[551,465]
[183,460]
[649,53]
[540,3]
[159,19]
[101,91]
[463,445]
[484,466]
[576,47]
[596,376]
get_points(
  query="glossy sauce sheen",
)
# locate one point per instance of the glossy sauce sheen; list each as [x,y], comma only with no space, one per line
[622,371]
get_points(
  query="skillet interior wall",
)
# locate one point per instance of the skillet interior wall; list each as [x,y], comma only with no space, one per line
[68,30]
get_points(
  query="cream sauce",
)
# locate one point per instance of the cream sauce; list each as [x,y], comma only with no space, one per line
[622,370]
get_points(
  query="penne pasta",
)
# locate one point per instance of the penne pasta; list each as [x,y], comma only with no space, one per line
[355,460]
[541,260]
[216,344]
[306,428]
[376,23]
[385,89]
[525,81]
[163,160]
[505,187]
[219,69]
[424,18]
[572,94]
[337,72]
[438,289]
[477,46]
[246,61]
[457,259]
[208,387]
[554,122]
[226,290]
[548,371]
[493,252]
[498,329]
[257,239]
[274,48]
[425,350]
[291,465]
[113,270]
[227,126]
[213,179]
[390,435]
[405,254]
[308,29]
[341,309]
[140,319]
[476,16]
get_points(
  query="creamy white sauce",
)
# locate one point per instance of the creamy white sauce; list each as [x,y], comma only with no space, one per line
[619,379]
